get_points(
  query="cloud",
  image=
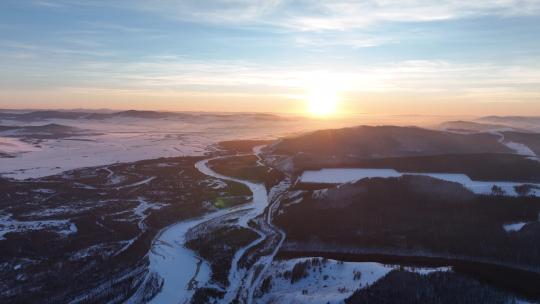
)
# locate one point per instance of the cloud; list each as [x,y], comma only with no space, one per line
[50,4]
[171,73]
[353,40]
[183,78]
[46,51]
[317,15]
[313,23]
[347,14]
[230,11]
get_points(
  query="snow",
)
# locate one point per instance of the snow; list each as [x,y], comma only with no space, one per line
[217,184]
[345,175]
[69,209]
[425,270]
[44,191]
[109,171]
[11,145]
[260,201]
[520,149]
[133,139]
[319,194]
[266,260]
[139,183]
[9,224]
[103,250]
[514,227]
[84,186]
[340,176]
[175,264]
[73,228]
[56,156]
[180,269]
[140,211]
[260,197]
[127,139]
[332,282]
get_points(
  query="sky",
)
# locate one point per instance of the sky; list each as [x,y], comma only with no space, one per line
[378,56]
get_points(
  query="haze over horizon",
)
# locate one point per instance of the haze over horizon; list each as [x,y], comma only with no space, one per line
[375,57]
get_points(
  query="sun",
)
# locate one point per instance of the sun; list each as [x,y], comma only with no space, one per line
[322,95]
[322,102]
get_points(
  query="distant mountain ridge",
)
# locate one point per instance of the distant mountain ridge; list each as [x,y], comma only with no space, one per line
[512,119]
[471,126]
[73,115]
[47,131]
[43,115]
[518,123]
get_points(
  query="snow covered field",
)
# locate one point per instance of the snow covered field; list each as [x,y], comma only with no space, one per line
[330,281]
[128,139]
[8,224]
[340,176]
[9,145]
[55,156]
[345,175]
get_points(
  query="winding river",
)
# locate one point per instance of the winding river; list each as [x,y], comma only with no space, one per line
[181,271]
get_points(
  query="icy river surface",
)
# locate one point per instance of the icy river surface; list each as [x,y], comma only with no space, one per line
[179,268]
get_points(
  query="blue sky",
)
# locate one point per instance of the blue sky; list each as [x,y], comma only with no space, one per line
[383,56]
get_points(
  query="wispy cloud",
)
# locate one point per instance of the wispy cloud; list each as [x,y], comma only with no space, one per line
[315,23]
[45,3]
[353,40]
[347,14]
[45,50]
[318,15]
[177,73]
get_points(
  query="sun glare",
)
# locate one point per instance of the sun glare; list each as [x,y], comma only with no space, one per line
[322,96]
[322,102]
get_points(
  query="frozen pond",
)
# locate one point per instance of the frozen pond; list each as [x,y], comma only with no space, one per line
[345,175]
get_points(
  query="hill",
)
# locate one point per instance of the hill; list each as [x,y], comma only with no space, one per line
[388,141]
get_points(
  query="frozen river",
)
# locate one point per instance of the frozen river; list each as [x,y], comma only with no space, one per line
[179,269]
